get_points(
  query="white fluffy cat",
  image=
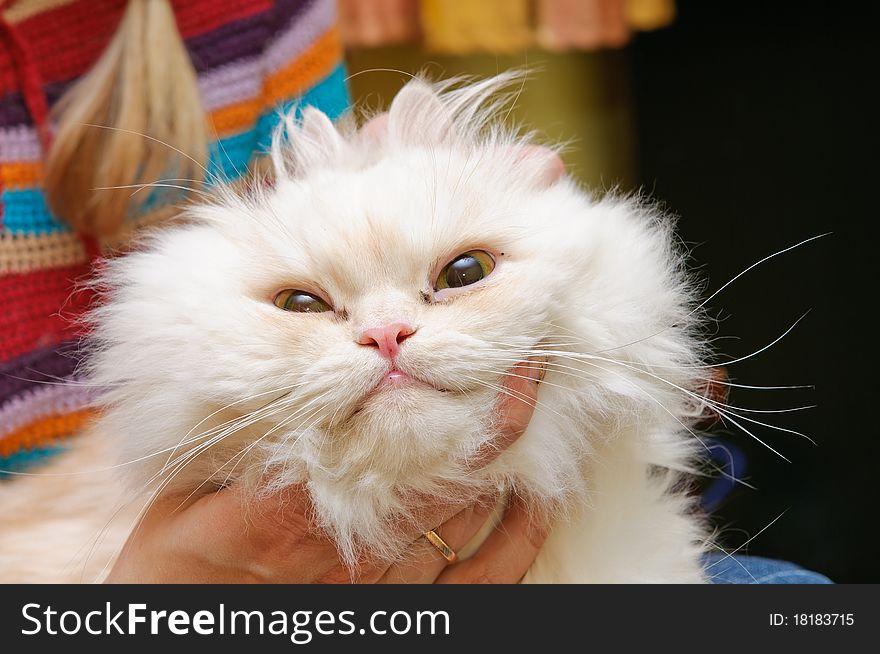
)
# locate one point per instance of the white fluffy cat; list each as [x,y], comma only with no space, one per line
[349,327]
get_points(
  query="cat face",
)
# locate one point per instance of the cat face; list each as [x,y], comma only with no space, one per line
[376,247]
[350,327]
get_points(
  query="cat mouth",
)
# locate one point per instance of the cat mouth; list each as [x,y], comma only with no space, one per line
[393,383]
[400,379]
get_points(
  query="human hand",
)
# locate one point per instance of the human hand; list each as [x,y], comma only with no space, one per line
[215,540]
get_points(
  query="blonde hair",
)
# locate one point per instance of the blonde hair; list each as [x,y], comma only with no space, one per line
[134,118]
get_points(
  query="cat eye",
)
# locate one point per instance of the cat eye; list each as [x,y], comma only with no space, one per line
[465,269]
[300,301]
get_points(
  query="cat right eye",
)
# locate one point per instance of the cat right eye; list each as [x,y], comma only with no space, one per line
[300,302]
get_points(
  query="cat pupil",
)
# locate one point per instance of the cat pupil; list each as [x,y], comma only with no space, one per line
[305,303]
[464,271]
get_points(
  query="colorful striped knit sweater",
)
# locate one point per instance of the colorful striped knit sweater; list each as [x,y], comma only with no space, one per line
[252,58]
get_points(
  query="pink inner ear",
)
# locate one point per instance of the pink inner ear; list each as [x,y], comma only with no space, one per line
[549,162]
[375,128]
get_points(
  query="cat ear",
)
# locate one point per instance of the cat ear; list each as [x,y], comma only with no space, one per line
[319,141]
[541,164]
[374,130]
[310,142]
[418,117]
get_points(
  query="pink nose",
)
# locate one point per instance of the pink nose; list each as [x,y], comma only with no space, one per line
[387,338]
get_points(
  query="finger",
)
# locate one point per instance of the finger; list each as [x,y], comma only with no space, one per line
[274,537]
[281,515]
[516,404]
[262,532]
[422,562]
[506,555]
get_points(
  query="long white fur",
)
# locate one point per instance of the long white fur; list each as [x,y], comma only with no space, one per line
[207,381]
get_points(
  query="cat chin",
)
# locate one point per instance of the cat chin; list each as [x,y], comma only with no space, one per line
[411,421]
[363,475]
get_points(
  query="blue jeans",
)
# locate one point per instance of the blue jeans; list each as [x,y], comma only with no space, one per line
[723,569]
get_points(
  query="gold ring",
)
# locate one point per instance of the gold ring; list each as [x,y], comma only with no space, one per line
[444,549]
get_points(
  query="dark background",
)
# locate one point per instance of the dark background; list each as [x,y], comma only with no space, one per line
[755,124]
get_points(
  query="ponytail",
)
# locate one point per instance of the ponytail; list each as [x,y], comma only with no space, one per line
[115,122]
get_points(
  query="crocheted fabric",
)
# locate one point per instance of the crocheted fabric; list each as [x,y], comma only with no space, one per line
[253,57]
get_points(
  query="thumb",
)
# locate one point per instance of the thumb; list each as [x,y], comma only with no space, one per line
[515,406]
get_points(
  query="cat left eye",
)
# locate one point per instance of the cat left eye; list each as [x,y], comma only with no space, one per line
[300,301]
[465,269]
